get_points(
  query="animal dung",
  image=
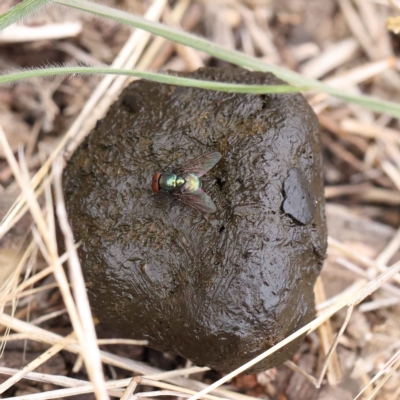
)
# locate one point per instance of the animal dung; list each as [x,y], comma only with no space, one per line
[218,289]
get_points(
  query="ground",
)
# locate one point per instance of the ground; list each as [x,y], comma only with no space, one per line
[342,42]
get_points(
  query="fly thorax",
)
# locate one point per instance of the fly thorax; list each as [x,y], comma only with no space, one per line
[192,183]
[179,181]
[167,182]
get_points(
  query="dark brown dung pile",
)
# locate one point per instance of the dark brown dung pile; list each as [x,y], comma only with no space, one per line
[217,289]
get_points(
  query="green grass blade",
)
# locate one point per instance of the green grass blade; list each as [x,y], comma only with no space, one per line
[21,11]
[162,78]
[232,56]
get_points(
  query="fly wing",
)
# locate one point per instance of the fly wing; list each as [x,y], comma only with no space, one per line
[198,200]
[199,165]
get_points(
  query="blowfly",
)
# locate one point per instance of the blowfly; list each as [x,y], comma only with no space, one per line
[185,183]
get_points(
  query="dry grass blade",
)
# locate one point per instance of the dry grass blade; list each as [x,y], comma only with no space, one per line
[367,275]
[123,341]
[48,316]
[161,49]
[390,250]
[362,73]
[37,277]
[33,279]
[354,299]
[364,260]
[18,33]
[70,382]
[109,89]
[159,393]
[62,393]
[30,292]
[392,172]
[22,177]
[129,390]
[178,372]
[357,27]
[344,293]
[389,368]
[350,49]
[378,304]
[9,285]
[331,352]
[376,283]
[364,192]
[189,55]
[47,378]
[81,387]
[151,382]
[334,56]
[393,24]
[77,281]
[294,367]
[34,364]
[88,117]
[307,328]
[385,379]
[42,335]
[371,131]
[14,336]
[326,337]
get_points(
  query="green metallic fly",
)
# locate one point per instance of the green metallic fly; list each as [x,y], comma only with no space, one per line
[185,183]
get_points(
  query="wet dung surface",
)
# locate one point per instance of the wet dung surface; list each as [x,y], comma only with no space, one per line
[221,288]
[299,201]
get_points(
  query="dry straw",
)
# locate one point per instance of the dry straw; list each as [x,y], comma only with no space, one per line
[363,141]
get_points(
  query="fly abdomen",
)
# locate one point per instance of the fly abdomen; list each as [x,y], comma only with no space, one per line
[192,183]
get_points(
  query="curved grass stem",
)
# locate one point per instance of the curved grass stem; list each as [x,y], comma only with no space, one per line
[162,78]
